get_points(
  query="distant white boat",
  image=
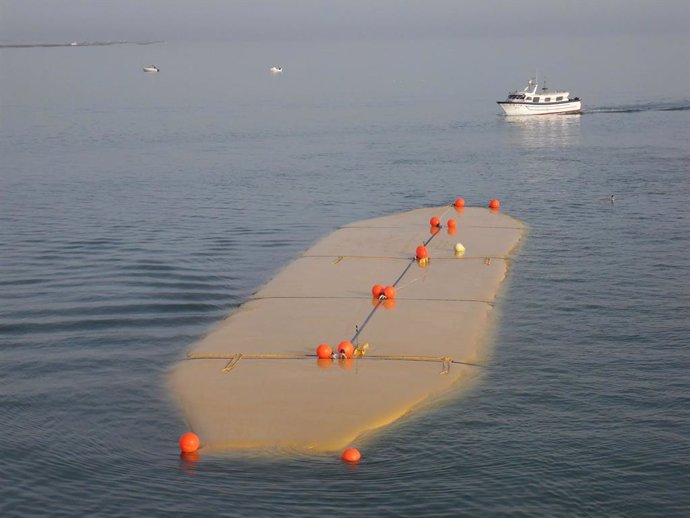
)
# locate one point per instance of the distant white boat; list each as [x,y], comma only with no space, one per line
[74,43]
[151,69]
[276,70]
[531,102]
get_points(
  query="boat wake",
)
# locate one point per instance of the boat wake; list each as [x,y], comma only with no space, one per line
[670,106]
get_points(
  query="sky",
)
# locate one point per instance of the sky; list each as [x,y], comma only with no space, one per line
[54,21]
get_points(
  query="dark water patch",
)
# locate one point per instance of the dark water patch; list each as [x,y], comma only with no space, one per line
[62,324]
[115,282]
[89,309]
[91,243]
[21,282]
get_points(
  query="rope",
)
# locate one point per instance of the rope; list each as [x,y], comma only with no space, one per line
[398,258]
[341,257]
[359,329]
[300,297]
[234,359]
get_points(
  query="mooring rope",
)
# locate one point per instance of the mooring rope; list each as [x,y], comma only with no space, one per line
[327,297]
[360,328]
[234,359]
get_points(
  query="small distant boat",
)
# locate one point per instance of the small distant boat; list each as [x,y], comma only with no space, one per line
[531,102]
[151,69]
[74,43]
[276,70]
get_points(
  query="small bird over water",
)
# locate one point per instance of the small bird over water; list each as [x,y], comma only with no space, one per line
[613,198]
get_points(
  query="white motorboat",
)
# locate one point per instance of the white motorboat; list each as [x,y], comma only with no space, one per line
[151,69]
[532,102]
[276,70]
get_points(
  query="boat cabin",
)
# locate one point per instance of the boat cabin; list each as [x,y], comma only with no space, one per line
[530,95]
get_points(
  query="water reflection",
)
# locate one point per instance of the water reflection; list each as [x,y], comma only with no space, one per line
[546,130]
[188,462]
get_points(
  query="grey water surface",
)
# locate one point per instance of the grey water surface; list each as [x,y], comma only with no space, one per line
[137,210]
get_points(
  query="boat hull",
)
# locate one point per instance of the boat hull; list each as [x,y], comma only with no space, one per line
[513,108]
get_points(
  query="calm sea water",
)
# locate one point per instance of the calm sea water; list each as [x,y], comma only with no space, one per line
[137,210]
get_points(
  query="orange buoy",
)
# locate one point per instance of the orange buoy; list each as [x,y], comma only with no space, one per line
[189,442]
[389,292]
[434,230]
[346,348]
[460,202]
[324,351]
[451,223]
[494,204]
[422,252]
[377,290]
[451,231]
[351,455]
[435,221]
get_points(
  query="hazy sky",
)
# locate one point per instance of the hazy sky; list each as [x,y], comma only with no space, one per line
[34,21]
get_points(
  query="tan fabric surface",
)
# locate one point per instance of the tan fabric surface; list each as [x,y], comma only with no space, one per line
[441,310]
